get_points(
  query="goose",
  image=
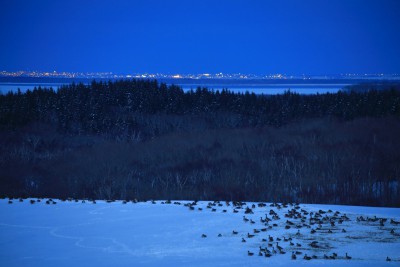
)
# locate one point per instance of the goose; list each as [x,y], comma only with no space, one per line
[248,211]
[278,247]
[347,257]
[234,232]
[260,253]
[235,211]
[314,244]
[306,257]
[203,236]
[245,219]
[392,231]
[313,231]
[252,222]
[250,253]
[344,231]
[249,235]
[326,257]
[298,232]
[256,231]
[264,240]
[271,239]
[219,235]
[299,252]
[243,240]
[267,255]
[388,259]
[289,222]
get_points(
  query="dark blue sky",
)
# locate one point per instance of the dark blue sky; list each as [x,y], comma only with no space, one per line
[294,37]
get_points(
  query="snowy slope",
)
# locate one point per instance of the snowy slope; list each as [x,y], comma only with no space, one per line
[144,234]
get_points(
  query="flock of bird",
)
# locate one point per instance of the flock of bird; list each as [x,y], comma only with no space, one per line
[300,225]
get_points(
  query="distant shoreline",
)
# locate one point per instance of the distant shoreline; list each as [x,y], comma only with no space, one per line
[257,86]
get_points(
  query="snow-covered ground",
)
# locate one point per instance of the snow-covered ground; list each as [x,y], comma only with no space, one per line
[76,234]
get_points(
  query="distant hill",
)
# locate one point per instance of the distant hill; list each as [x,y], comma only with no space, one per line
[374,85]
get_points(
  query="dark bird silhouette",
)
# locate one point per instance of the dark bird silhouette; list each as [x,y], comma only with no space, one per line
[250,253]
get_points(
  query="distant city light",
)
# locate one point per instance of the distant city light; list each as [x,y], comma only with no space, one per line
[219,75]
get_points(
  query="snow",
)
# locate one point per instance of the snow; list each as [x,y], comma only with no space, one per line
[76,234]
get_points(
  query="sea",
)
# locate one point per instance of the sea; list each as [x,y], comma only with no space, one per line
[261,86]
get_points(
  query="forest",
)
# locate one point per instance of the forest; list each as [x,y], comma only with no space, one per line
[141,139]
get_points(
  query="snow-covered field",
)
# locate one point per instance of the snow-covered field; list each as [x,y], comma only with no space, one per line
[71,233]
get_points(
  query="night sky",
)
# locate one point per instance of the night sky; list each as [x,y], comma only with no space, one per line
[260,37]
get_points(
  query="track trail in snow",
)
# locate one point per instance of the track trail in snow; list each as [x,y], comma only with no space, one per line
[187,233]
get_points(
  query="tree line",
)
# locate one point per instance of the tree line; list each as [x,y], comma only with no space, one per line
[141,139]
